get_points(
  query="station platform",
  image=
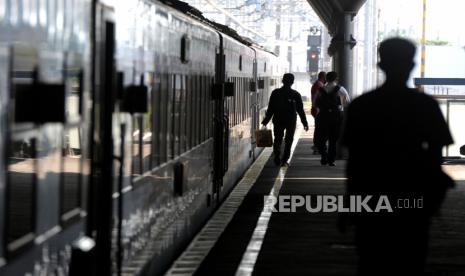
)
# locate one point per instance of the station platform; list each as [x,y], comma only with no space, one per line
[245,238]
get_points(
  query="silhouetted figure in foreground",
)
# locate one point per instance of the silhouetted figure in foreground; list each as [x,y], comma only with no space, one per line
[330,102]
[284,104]
[395,136]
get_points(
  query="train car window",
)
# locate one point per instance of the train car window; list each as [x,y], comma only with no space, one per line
[163,149]
[185,48]
[74,80]
[210,107]
[198,89]
[70,199]
[229,107]
[237,101]
[264,67]
[189,126]
[200,108]
[241,100]
[193,116]
[233,105]
[244,91]
[147,120]
[231,110]
[240,62]
[156,121]
[176,114]
[203,108]
[21,192]
[169,117]
[228,111]
[207,107]
[73,97]
[183,115]
[136,145]
[247,99]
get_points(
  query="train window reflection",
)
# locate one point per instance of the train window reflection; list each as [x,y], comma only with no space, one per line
[164,118]
[136,146]
[201,108]
[156,120]
[189,110]
[147,136]
[169,118]
[73,95]
[71,174]
[183,115]
[22,167]
[177,114]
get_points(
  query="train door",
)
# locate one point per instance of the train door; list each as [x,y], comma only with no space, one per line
[103,82]
[254,106]
[221,123]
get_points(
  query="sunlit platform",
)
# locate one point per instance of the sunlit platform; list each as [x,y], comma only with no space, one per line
[257,241]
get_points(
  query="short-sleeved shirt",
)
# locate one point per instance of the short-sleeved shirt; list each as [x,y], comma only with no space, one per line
[315,89]
[392,137]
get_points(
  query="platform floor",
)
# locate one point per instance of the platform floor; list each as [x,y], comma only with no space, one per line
[303,243]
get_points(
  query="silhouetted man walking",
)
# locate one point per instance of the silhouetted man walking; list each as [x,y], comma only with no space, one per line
[330,102]
[283,106]
[394,137]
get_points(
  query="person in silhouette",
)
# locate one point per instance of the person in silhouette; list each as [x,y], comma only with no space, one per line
[284,104]
[317,85]
[394,136]
[330,102]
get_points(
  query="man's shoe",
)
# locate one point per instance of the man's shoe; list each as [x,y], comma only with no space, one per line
[332,164]
[277,161]
[323,162]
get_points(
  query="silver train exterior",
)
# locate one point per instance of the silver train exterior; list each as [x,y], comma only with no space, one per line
[123,125]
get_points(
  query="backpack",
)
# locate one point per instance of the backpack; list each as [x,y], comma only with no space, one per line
[328,100]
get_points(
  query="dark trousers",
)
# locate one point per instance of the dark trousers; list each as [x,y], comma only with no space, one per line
[278,139]
[327,128]
[392,246]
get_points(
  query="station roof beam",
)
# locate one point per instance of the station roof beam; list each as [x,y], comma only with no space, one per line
[338,15]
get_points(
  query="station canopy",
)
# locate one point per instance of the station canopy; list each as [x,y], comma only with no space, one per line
[331,11]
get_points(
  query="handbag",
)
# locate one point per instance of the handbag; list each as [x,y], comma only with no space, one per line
[264,137]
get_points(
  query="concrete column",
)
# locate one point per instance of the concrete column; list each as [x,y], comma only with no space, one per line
[341,49]
[347,60]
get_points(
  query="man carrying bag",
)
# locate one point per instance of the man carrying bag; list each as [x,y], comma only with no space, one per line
[285,103]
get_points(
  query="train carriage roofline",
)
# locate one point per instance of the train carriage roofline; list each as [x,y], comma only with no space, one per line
[194,13]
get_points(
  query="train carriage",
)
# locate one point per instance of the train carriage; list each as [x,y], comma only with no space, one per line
[124,124]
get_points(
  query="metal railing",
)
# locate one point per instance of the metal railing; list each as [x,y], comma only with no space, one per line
[452,103]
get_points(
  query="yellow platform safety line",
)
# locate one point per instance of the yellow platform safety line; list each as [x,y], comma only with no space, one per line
[423,45]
